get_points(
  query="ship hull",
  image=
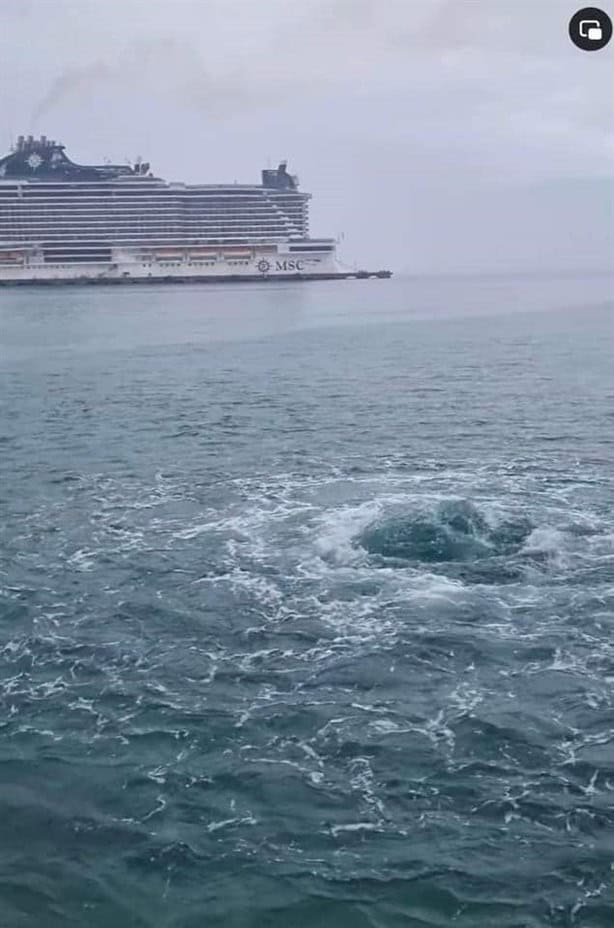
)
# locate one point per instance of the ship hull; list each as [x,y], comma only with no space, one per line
[84,280]
[125,268]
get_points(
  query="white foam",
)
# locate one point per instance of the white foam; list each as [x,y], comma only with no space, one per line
[387,727]
[228,822]
[161,805]
[339,528]
[428,586]
[82,559]
[355,826]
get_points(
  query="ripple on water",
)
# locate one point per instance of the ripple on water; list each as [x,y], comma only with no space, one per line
[312,675]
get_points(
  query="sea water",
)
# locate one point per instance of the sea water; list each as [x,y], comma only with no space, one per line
[307,605]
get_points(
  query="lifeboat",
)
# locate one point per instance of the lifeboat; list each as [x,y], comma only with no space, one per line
[12,257]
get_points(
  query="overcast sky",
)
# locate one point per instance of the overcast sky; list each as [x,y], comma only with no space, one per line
[440,135]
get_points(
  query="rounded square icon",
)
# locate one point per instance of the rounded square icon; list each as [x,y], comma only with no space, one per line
[591,29]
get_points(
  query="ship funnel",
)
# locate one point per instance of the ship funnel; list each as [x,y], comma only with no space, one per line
[279,179]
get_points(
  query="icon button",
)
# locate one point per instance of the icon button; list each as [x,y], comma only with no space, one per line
[590,29]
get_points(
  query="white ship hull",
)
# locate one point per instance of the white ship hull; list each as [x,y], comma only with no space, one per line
[127,268]
[130,268]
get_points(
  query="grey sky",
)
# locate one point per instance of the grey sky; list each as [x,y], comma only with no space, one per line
[439,135]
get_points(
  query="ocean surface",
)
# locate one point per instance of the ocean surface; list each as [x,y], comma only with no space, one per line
[307,605]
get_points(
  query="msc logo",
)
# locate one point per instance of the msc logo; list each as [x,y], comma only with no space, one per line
[264,267]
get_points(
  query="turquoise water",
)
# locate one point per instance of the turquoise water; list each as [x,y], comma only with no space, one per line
[307,605]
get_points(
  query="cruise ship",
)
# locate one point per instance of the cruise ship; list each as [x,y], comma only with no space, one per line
[63,222]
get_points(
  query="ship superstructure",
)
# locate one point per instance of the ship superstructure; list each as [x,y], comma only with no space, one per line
[62,221]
